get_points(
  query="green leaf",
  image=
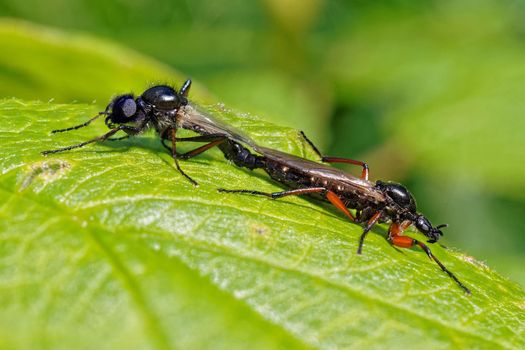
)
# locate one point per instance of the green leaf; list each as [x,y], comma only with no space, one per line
[453,109]
[109,247]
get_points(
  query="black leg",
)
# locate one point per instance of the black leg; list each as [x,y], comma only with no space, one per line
[316,150]
[202,138]
[173,134]
[331,196]
[213,140]
[163,141]
[201,149]
[373,220]
[363,165]
[96,139]
[275,195]
[79,126]
[118,138]
[398,240]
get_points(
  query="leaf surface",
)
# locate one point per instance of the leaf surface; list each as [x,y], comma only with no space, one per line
[108,246]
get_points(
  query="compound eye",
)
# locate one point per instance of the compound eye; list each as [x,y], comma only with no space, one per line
[129,107]
[423,225]
[124,108]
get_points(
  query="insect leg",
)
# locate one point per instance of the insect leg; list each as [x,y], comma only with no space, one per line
[163,141]
[371,222]
[316,150]
[118,138]
[96,139]
[173,134]
[202,138]
[331,196]
[80,125]
[213,140]
[395,237]
[201,149]
[364,172]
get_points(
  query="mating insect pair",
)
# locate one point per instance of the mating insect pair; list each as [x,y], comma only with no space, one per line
[167,110]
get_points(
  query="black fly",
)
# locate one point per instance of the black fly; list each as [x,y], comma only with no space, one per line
[373,202]
[166,110]
[156,108]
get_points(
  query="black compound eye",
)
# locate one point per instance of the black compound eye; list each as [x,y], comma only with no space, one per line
[123,110]
[129,107]
[423,225]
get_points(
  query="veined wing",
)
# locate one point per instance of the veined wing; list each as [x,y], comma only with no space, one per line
[312,168]
[194,118]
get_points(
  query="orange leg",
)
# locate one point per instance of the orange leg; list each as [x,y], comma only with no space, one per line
[395,237]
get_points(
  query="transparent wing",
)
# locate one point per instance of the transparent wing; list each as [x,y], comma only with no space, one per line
[315,169]
[194,118]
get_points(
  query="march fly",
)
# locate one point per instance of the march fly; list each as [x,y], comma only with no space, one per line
[165,110]
[155,109]
[373,202]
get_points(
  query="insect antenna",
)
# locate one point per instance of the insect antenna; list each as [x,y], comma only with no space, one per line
[80,125]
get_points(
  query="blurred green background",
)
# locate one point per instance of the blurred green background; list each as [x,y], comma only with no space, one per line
[429,93]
